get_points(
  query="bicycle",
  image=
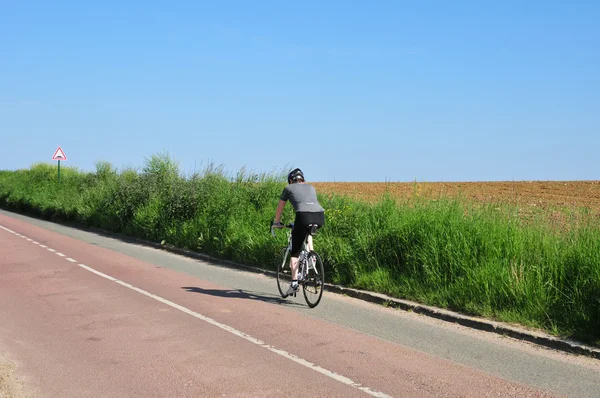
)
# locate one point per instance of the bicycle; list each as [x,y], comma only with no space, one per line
[311,275]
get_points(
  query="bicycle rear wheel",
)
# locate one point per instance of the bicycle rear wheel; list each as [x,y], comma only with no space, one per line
[284,273]
[314,281]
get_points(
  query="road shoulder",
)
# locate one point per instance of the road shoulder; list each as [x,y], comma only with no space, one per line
[10,384]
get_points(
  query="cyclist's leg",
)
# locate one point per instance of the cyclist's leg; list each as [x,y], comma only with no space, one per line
[297,241]
[314,218]
[294,267]
[309,243]
[299,234]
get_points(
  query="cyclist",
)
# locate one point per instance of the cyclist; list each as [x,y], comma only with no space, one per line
[303,198]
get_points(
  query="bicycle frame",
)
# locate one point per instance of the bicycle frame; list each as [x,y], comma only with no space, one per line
[308,260]
[303,264]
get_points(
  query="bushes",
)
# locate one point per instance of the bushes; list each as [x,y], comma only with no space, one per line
[480,260]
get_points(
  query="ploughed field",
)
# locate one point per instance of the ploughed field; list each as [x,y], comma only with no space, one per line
[549,195]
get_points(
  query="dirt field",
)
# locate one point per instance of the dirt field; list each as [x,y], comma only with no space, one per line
[538,194]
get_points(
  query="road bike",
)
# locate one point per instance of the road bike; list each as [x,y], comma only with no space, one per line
[311,275]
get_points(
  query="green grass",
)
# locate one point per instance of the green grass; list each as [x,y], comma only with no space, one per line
[480,260]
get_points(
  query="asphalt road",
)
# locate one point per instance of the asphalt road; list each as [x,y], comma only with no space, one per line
[86,315]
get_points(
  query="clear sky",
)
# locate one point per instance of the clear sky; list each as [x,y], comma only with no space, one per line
[347,90]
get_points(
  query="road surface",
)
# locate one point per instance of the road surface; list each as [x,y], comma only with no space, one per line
[82,315]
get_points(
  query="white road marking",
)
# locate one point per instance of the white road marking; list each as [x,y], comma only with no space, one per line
[285,354]
[8,230]
[70,259]
[60,254]
[110,278]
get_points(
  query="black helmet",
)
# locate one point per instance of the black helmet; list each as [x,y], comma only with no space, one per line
[295,174]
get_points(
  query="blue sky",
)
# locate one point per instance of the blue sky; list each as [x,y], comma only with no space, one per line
[348,91]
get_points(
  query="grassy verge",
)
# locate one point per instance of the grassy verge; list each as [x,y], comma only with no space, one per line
[477,259]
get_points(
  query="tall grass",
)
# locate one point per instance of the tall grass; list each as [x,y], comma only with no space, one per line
[480,260]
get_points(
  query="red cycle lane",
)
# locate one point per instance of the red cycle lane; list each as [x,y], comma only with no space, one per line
[164,333]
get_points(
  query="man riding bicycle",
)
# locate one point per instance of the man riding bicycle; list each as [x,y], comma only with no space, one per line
[303,198]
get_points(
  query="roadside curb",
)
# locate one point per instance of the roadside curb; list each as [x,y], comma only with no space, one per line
[535,337]
[539,338]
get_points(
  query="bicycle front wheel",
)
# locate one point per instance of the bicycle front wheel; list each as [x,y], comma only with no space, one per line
[284,273]
[314,281]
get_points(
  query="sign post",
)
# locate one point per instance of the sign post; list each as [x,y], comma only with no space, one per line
[59,155]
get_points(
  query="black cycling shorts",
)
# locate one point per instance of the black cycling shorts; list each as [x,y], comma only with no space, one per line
[303,220]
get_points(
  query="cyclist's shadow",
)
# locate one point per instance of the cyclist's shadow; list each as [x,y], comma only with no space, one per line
[242,294]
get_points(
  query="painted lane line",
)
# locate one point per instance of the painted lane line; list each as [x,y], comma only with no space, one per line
[8,230]
[110,278]
[70,259]
[36,243]
[335,376]
[44,246]
[285,354]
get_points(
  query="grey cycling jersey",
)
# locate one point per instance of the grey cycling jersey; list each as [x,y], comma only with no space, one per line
[303,197]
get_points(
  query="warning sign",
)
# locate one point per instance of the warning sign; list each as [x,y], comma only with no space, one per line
[59,155]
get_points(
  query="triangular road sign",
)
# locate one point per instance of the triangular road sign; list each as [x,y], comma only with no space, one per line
[59,155]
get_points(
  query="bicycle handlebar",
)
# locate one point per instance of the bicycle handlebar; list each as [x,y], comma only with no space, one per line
[279,226]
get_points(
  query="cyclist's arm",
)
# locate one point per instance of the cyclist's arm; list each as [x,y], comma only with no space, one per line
[280,207]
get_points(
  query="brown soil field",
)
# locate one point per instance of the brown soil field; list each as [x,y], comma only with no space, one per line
[528,194]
